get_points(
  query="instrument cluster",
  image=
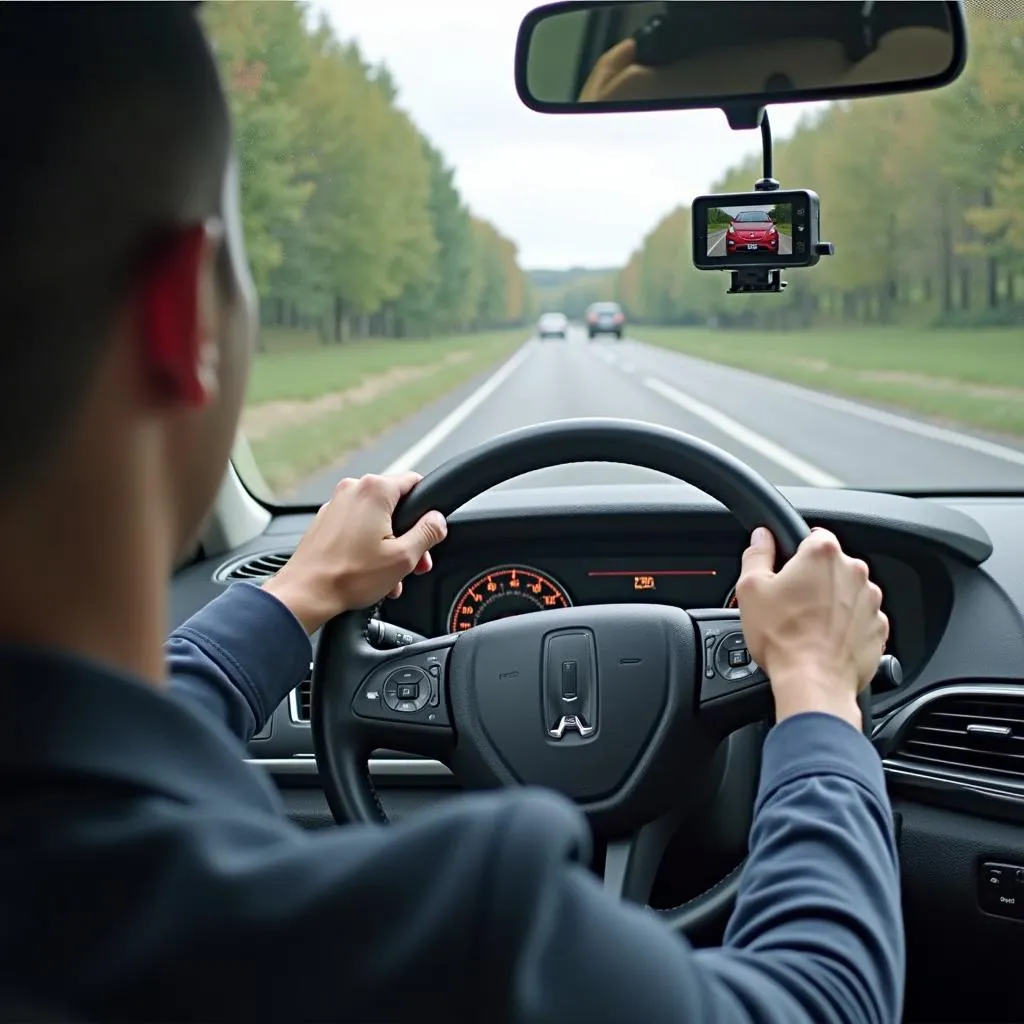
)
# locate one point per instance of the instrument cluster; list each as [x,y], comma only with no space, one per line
[517,588]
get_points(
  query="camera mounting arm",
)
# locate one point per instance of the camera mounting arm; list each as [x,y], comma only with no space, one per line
[761,279]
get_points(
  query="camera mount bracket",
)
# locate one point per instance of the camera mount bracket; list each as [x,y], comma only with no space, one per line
[761,280]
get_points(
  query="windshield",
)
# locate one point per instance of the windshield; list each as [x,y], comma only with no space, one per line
[408,221]
[751,215]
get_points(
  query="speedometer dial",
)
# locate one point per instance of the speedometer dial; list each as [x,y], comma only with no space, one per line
[503,591]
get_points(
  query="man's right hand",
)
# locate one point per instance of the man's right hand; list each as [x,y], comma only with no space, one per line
[350,557]
[816,627]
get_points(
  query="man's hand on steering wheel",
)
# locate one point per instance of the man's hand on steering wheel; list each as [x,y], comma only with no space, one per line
[350,558]
[816,626]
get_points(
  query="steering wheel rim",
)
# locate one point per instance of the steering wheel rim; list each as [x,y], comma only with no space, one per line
[743,491]
[343,652]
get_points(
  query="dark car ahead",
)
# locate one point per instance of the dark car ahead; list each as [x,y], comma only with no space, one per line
[751,231]
[605,318]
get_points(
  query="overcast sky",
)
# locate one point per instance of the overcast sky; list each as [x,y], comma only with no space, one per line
[571,191]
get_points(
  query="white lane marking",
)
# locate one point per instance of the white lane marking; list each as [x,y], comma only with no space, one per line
[426,444]
[867,412]
[743,435]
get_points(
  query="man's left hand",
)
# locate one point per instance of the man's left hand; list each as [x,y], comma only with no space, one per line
[350,557]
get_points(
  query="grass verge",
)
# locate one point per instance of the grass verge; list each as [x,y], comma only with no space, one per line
[299,447]
[972,378]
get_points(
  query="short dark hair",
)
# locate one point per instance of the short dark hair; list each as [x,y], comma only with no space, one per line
[115,129]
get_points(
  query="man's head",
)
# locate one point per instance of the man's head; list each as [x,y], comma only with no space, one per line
[126,308]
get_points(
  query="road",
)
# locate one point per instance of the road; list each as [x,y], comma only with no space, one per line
[716,243]
[789,434]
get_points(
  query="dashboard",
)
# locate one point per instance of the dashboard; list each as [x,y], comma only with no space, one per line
[481,584]
[523,550]
[951,736]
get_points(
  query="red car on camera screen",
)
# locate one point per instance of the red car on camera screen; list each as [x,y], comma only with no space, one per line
[751,231]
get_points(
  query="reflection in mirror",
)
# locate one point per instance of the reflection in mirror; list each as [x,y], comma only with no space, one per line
[689,53]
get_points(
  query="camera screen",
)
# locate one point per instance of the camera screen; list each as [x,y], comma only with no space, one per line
[749,230]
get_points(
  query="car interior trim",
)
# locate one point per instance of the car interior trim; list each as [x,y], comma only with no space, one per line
[237,518]
[305,764]
[293,708]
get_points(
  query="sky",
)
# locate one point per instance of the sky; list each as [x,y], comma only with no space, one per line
[570,190]
[733,210]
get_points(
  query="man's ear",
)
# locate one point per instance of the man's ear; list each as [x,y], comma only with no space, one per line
[178,316]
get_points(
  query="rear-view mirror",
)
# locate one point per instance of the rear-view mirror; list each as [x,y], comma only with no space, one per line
[593,57]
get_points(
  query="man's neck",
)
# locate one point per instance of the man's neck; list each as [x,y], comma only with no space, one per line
[85,580]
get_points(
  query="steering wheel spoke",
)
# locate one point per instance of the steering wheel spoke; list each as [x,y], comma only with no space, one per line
[401,702]
[364,699]
[733,690]
[631,864]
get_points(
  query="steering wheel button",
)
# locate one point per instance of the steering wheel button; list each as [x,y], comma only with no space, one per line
[738,658]
[570,690]
[408,691]
[406,706]
[407,675]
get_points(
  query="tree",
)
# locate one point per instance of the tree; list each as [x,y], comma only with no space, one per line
[263,53]
[352,218]
[440,300]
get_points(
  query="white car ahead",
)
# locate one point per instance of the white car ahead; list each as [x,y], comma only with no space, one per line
[553,325]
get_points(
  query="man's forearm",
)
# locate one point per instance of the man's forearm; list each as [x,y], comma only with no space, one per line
[816,937]
[819,910]
[238,657]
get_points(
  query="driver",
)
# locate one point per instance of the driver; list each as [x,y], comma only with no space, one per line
[616,77]
[148,873]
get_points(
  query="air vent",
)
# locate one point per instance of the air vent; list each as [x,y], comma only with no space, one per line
[301,698]
[254,567]
[981,734]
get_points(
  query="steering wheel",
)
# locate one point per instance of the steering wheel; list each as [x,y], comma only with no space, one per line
[623,708]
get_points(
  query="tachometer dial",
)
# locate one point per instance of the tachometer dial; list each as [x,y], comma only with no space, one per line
[730,601]
[503,591]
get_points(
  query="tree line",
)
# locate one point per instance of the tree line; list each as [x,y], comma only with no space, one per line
[572,291]
[353,221]
[922,194]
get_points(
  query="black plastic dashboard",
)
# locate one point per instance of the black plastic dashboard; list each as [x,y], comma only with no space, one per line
[953,574]
[949,570]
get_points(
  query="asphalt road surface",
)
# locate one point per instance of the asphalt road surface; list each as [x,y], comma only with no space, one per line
[716,243]
[789,434]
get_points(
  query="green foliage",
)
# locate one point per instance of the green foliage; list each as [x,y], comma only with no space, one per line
[353,222]
[922,194]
